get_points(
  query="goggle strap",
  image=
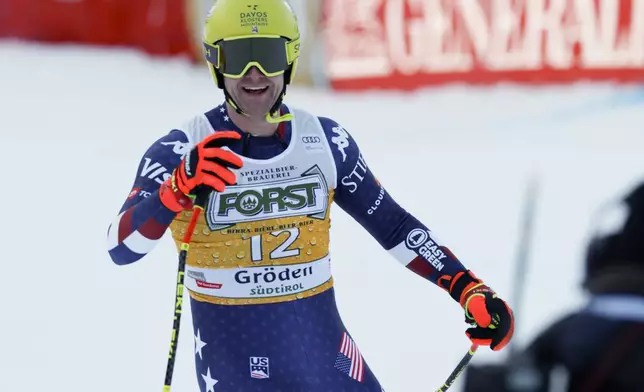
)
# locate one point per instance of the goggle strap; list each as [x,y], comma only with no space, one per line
[271,118]
[292,50]
[211,52]
[232,102]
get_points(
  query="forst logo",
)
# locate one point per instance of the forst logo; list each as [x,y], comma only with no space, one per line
[252,202]
[307,195]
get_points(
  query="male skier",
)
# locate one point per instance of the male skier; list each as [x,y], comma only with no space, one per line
[258,270]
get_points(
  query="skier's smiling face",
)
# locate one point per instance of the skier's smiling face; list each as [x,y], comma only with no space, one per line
[255,93]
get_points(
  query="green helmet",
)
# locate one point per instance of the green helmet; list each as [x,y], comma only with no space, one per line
[241,34]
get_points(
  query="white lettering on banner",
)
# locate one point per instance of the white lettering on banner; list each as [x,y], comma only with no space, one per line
[604,44]
[636,38]
[475,36]
[405,60]
[258,282]
[355,37]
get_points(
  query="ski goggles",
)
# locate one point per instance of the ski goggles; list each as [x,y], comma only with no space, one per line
[233,57]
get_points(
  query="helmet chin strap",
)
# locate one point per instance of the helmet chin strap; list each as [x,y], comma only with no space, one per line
[271,116]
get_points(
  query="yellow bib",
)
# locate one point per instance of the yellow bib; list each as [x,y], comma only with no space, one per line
[265,239]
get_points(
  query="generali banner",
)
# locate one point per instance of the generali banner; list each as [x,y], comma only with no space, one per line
[408,44]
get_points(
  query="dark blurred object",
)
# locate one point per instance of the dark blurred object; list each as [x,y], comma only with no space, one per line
[599,348]
[615,257]
[503,378]
[485,378]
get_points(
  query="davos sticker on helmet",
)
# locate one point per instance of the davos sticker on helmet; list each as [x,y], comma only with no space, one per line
[253,16]
[307,195]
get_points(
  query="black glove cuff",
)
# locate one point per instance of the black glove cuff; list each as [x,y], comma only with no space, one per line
[462,282]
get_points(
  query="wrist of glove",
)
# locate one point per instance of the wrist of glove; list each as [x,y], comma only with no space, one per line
[173,198]
[491,318]
[205,168]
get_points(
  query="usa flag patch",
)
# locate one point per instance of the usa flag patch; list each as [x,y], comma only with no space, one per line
[349,359]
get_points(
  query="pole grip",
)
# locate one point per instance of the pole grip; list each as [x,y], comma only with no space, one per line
[201,198]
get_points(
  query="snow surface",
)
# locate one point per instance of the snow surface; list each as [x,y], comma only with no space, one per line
[75,122]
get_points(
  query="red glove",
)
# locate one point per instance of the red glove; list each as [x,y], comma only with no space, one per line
[491,316]
[206,165]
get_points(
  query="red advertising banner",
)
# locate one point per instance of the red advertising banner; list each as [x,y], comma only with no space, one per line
[156,27]
[408,44]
